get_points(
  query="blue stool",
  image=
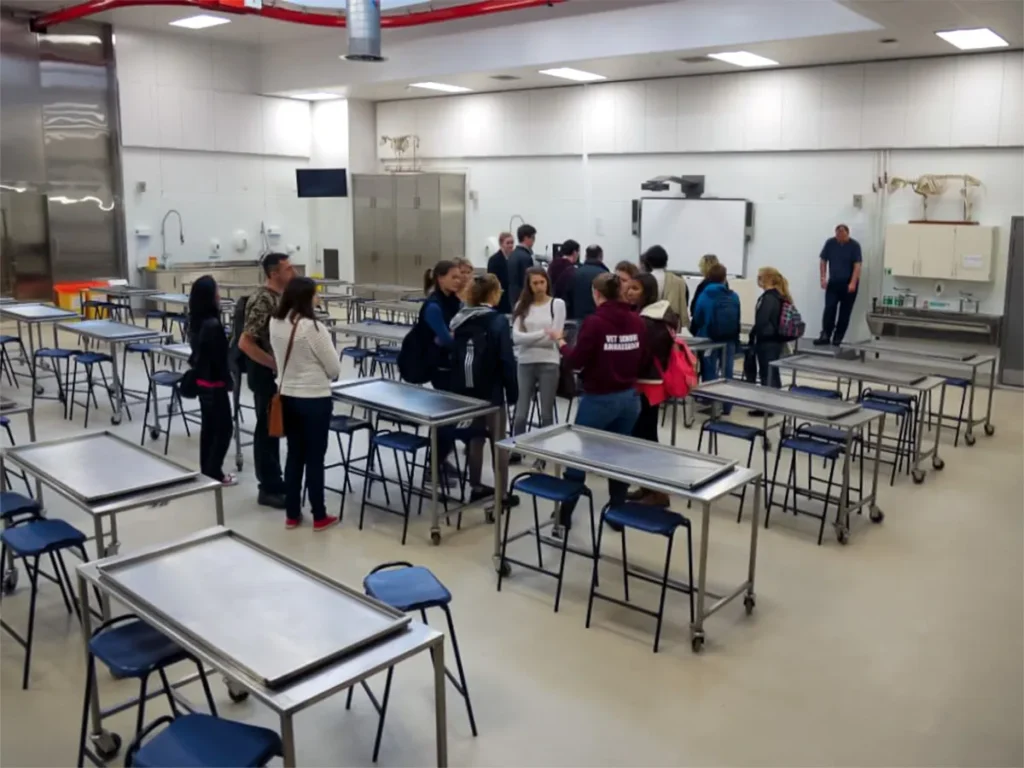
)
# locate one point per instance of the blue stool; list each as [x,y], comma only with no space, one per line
[89,360]
[387,359]
[408,588]
[831,394]
[810,447]
[963,385]
[836,436]
[346,425]
[30,539]
[716,427]
[408,445]
[14,507]
[171,380]
[560,491]
[130,648]
[661,522]
[54,355]
[203,741]
[905,438]
[358,356]
[157,314]
[6,364]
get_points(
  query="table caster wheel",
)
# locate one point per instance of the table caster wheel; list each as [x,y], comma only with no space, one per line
[748,603]
[876,514]
[435,537]
[505,570]
[842,535]
[115,419]
[489,516]
[697,643]
[970,439]
[768,445]
[10,581]
[990,429]
[938,462]
[154,434]
[39,389]
[918,476]
[235,693]
[107,744]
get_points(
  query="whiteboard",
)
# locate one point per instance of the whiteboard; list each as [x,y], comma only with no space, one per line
[689,228]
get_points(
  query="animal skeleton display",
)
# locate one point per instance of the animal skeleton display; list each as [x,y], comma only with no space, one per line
[934,185]
[399,146]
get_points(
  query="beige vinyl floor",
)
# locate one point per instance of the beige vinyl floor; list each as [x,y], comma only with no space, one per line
[902,648]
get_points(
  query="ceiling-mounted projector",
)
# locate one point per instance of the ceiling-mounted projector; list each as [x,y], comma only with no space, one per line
[691,186]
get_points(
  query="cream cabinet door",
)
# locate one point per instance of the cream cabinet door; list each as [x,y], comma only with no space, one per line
[901,250]
[935,250]
[973,249]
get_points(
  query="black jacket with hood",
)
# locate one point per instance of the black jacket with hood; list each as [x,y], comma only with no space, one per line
[505,382]
[767,317]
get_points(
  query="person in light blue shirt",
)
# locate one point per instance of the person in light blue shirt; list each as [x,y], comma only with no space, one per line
[840,264]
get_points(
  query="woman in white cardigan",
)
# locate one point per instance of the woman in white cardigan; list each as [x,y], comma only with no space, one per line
[307,363]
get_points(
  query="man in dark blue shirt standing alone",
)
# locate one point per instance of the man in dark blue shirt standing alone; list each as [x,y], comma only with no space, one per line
[840,278]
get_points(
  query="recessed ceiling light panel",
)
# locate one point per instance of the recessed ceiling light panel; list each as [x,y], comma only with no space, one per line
[576,75]
[202,21]
[743,59]
[314,96]
[443,87]
[973,39]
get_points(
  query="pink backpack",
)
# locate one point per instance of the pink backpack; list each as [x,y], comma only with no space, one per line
[680,376]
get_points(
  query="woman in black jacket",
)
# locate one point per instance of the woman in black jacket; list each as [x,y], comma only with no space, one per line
[209,363]
[765,338]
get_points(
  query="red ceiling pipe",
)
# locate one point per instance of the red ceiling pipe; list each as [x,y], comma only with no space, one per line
[280,13]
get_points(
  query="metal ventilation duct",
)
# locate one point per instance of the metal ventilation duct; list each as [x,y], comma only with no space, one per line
[363,30]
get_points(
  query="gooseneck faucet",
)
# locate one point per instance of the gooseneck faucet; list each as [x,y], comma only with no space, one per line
[164,255]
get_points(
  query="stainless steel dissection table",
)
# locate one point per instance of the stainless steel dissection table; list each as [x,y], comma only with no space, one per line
[104,475]
[393,334]
[694,477]
[850,419]
[295,636]
[114,335]
[878,373]
[35,316]
[939,359]
[424,407]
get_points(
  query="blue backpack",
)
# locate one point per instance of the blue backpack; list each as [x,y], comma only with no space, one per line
[724,323]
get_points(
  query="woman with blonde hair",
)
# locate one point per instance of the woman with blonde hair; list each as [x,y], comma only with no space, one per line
[766,337]
[466,271]
[707,261]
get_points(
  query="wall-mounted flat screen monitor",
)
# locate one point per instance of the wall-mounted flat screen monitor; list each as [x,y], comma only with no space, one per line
[321,182]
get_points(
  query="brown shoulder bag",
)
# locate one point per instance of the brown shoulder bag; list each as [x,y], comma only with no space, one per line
[275,419]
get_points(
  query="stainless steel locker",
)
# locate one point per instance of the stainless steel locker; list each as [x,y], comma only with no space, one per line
[452,215]
[1011,354]
[363,188]
[407,257]
[383,254]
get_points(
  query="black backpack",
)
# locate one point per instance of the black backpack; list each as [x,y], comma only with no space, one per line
[475,359]
[414,363]
[236,357]
[724,323]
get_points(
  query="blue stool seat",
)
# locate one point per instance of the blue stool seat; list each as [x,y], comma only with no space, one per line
[40,536]
[141,346]
[401,441]
[731,429]
[5,339]
[550,488]
[56,353]
[877,405]
[644,517]
[821,432]
[135,649]
[4,421]
[347,424]
[90,358]
[891,397]
[13,504]
[816,392]
[386,358]
[407,589]
[156,314]
[356,353]
[958,382]
[813,447]
[197,740]
[167,378]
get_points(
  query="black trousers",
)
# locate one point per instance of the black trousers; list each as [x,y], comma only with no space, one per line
[838,301]
[766,352]
[646,427]
[305,428]
[215,432]
[266,450]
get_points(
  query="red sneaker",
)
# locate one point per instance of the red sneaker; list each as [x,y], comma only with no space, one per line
[289,524]
[324,523]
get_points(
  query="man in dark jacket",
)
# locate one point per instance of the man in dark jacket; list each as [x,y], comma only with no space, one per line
[520,261]
[497,265]
[580,301]
[564,261]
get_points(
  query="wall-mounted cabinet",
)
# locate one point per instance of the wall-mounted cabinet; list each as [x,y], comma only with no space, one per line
[940,251]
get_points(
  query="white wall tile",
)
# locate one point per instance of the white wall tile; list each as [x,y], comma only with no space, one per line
[396,118]
[762,117]
[661,105]
[728,112]
[842,98]
[1011,109]
[977,93]
[630,107]
[930,93]
[515,112]
[139,117]
[599,118]
[169,107]
[694,123]
[883,119]
[483,127]
[801,108]
[236,68]
[182,62]
[198,128]
[286,127]
[238,123]
[134,56]
[554,124]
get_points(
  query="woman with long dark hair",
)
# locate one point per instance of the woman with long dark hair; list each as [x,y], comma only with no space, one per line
[307,364]
[209,362]
[537,321]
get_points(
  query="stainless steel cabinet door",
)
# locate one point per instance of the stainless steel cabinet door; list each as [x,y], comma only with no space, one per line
[383,230]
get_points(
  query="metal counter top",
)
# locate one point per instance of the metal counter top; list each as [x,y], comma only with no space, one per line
[111,330]
[429,407]
[169,298]
[123,291]
[777,401]
[852,369]
[35,313]
[377,331]
[181,351]
[285,621]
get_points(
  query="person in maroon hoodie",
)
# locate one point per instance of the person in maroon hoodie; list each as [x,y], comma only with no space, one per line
[609,353]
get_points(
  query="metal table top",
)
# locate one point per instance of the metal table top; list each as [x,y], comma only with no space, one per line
[5,300]
[239,286]
[660,467]
[837,413]
[429,407]
[111,330]
[386,288]
[379,331]
[98,466]
[169,298]
[123,291]
[851,369]
[701,344]
[285,621]
[330,281]
[408,307]
[181,351]
[36,313]
[219,590]
[339,298]
[944,352]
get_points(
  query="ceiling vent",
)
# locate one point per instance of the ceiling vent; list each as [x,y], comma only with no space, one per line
[505,78]
[695,60]
[363,21]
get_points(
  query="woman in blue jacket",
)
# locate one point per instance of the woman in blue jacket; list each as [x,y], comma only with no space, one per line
[717,317]
[442,285]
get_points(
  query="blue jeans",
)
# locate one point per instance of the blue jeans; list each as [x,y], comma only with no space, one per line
[616,412]
[719,363]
